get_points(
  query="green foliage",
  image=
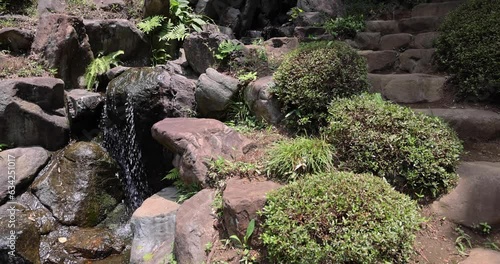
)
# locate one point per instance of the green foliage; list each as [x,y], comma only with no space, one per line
[4,147]
[312,76]
[100,65]
[416,153]
[244,243]
[468,47]
[294,13]
[240,117]
[226,48]
[247,77]
[289,160]
[149,24]
[376,8]
[462,242]
[184,190]
[18,7]
[345,27]
[221,169]
[339,217]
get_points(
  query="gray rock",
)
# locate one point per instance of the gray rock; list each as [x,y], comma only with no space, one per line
[380,61]
[311,19]
[200,48]
[417,61]
[470,124]
[111,35]
[197,141]
[214,92]
[383,26]
[421,24]
[156,7]
[331,7]
[434,9]
[81,186]
[62,41]
[476,199]
[153,225]
[397,42]
[50,6]
[110,5]
[425,40]
[408,88]
[84,111]
[261,102]
[367,40]
[16,40]
[93,243]
[21,166]
[38,213]
[483,256]
[194,227]
[231,19]
[277,48]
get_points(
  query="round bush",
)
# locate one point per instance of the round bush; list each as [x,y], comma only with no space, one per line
[416,153]
[314,74]
[339,217]
[469,48]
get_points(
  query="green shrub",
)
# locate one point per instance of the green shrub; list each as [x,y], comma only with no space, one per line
[345,27]
[287,160]
[469,48]
[313,75]
[416,153]
[339,217]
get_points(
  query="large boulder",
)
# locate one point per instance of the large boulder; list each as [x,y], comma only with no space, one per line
[136,100]
[20,166]
[62,41]
[111,35]
[83,109]
[194,227]
[93,243]
[197,141]
[261,102]
[242,199]
[153,225]
[483,256]
[380,61]
[476,199]
[214,92]
[16,40]
[80,187]
[200,48]
[156,7]
[331,7]
[50,6]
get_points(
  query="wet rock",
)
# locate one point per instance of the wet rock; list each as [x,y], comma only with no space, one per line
[196,141]
[38,213]
[261,102]
[242,199]
[93,243]
[48,93]
[194,227]
[84,111]
[62,41]
[476,199]
[22,239]
[156,7]
[111,35]
[16,40]
[80,187]
[199,48]
[214,92]
[20,165]
[153,225]
[136,100]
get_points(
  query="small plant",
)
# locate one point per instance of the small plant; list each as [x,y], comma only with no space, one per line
[289,160]
[150,24]
[221,169]
[247,77]
[218,204]
[491,245]
[226,48]
[208,247]
[484,228]
[100,65]
[294,13]
[462,242]
[345,27]
[4,147]
[184,190]
[246,239]
[240,117]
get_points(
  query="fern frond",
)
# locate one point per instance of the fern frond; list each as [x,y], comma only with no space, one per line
[100,65]
[151,23]
[178,32]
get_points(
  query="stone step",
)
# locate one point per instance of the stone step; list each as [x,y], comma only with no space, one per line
[383,26]
[408,88]
[476,198]
[399,41]
[470,124]
[417,61]
[380,61]
[434,9]
[420,24]
[396,41]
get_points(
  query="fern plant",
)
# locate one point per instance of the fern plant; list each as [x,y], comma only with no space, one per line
[100,65]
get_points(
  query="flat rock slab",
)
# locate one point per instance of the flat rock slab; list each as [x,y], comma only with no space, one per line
[16,40]
[469,123]
[421,24]
[396,41]
[383,26]
[196,141]
[242,199]
[476,199]
[380,61]
[408,88]
[482,256]
[153,225]
[22,164]
[417,61]
[434,9]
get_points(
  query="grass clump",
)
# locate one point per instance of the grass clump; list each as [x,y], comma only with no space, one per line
[313,75]
[289,160]
[339,217]
[468,47]
[416,153]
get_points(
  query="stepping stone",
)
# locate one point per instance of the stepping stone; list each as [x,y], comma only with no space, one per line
[476,199]
[383,26]
[425,40]
[367,40]
[469,123]
[417,61]
[420,24]
[482,256]
[408,88]
[434,9]
[396,41]
[379,61]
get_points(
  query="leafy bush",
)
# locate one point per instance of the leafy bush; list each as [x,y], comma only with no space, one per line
[289,159]
[100,65]
[416,153]
[345,27]
[313,75]
[24,7]
[225,49]
[468,47]
[339,217]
